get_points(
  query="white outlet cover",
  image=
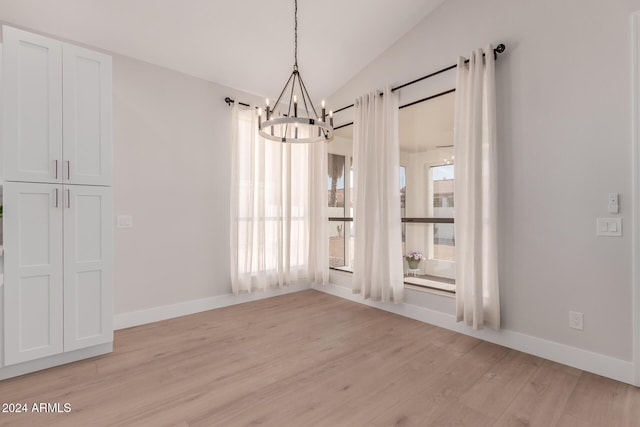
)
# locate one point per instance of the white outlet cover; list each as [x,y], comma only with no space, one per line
[611,227]
[124,221]
[576,320]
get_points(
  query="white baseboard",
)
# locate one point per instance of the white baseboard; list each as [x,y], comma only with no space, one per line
[617,369]
[155,314]
[55,360]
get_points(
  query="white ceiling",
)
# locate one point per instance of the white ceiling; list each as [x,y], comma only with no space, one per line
[244,44]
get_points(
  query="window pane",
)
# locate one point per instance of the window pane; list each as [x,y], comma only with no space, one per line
[340,196]
[341,244]
[336,244]
[403,190]
[437,262]
[335,181]
[443,242]
[442,181]
[427,188]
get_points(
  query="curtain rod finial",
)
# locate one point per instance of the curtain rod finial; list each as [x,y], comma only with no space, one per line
[228,100]
[500,48]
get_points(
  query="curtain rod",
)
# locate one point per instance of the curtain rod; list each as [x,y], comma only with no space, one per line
[407,105]
[499,49]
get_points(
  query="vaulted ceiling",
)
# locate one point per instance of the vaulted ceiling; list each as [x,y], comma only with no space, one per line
[245,44]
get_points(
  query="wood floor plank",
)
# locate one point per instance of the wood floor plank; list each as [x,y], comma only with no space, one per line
[498,386]
[631,407]
[600,401]
[542,401]
[311,359]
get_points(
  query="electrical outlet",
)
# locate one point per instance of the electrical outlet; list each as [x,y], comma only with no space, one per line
[124,221]
[576,320]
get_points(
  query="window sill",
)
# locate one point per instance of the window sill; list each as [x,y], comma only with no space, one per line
[430,290]
[432,282]
[444,288]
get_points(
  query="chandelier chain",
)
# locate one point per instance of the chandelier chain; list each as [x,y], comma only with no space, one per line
[295,41]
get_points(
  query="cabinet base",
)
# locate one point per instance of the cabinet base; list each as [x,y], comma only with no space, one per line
[51,361]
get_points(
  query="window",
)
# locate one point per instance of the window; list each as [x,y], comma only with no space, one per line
[426,152]
[340,200]
[427,198]
[269,227]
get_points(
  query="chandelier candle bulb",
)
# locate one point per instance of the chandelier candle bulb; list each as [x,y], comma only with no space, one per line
[259,118]
[295,106]
[331,118]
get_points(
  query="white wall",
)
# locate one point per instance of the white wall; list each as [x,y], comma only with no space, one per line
[564,97]
[172,171]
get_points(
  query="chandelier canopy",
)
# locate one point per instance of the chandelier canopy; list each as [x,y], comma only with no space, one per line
[300,123]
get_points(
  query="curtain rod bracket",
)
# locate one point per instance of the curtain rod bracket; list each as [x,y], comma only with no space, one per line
[230,101]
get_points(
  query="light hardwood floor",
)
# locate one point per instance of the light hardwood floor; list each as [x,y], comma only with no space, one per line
[311,359]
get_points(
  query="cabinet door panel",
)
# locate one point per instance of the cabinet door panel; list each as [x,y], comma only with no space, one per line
[33,302]
[87,116]
[88,236]
[32,107]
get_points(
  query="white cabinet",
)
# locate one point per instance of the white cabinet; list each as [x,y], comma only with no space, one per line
[58,269]
[57,111]
[86,101]
[33,289]
[32,107]
[56,302]
[88,248]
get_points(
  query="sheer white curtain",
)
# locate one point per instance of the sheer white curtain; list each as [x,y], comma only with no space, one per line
[377,268]
[276,209]
[477,290]
[317,207]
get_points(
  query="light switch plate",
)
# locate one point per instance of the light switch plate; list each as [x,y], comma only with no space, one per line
[125,221]
[611,227]
[614,206]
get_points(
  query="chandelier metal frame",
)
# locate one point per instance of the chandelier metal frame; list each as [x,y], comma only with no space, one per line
[286,127]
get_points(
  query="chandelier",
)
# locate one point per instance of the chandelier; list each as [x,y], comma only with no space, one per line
[300,123]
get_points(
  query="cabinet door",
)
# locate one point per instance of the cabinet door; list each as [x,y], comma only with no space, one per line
[33,302]
[87,148]
[88,270]
[32,107]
